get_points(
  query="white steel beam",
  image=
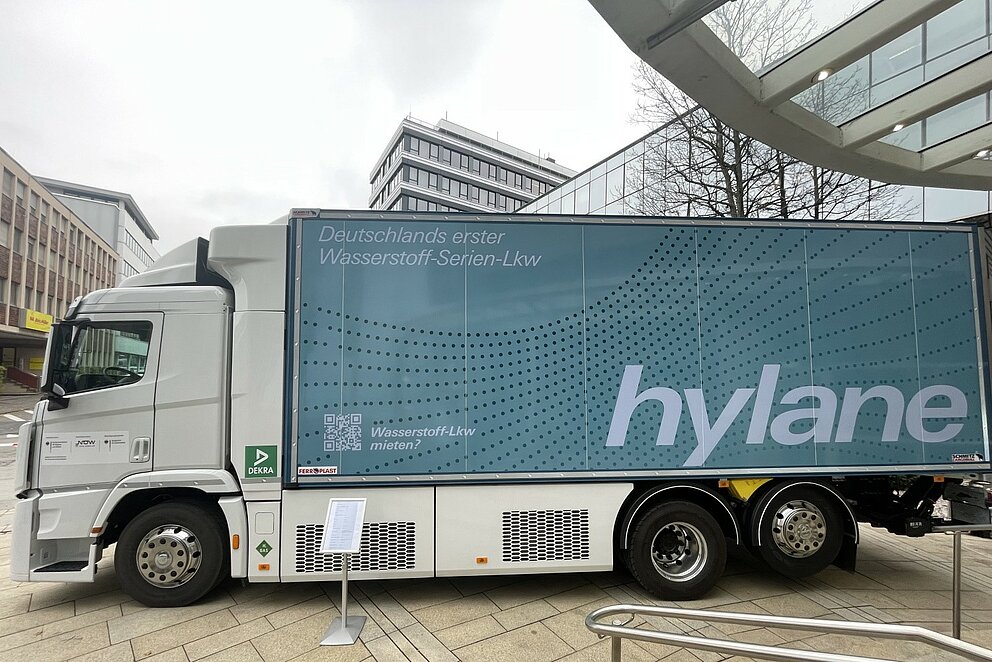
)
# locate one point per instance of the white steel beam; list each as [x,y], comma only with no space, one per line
[949,90]
[956,150]
[972,168]
[685,14]
[858,36]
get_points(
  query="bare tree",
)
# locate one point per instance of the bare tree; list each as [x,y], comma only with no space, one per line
[698,165]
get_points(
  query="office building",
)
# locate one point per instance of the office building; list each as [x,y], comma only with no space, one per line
[446,167]
[116,217]
[48,256]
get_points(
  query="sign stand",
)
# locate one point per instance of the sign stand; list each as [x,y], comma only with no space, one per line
[343,535]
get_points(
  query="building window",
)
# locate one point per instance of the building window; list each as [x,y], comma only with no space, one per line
[18,241]
[8,183]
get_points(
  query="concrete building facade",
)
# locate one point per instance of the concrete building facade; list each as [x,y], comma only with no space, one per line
[116,217]
[446,167]
[48,256]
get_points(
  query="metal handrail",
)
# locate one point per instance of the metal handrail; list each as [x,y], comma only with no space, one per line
[619,631]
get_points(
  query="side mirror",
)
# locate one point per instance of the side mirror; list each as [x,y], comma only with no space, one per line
[56,398]
[59,343]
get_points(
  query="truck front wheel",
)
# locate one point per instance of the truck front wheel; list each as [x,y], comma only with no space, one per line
[171,554]
[677,551]
[800,531]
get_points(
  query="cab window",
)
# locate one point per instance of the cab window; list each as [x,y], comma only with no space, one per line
[103,355]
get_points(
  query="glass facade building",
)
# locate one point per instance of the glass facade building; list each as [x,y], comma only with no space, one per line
[446,167]
[673,171]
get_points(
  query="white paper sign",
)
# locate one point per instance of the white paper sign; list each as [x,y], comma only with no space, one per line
[84,448]
[343,528]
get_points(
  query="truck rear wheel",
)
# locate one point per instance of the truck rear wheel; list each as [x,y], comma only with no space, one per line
[171,554]
[800,531]
[677,551]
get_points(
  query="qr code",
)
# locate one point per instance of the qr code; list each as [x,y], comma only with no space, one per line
[342,432]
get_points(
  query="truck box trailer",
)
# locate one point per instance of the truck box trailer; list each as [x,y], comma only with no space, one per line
[511,394]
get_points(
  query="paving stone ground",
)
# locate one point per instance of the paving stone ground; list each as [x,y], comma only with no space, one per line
[534,618]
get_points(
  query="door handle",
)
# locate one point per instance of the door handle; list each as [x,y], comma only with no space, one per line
[141,448]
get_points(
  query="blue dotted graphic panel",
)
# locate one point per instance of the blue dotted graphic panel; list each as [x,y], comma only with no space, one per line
[641,294]
[946,336]
[443,348]
[753,302]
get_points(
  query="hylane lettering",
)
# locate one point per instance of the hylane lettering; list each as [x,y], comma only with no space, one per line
[825,423]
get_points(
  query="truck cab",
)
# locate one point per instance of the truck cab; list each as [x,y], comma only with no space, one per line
[136,427]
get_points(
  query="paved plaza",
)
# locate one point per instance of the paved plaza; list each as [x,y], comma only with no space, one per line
[535,618]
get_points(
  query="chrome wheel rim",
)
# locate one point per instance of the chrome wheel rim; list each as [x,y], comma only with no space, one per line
[168,556]
[678,551]
[799,529]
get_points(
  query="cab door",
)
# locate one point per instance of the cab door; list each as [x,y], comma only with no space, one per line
[104,432]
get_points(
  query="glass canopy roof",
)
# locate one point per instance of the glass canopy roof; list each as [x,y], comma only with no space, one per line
[765,33]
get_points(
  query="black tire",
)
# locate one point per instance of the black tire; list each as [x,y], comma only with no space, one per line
[815,539]
[677,551]
[192,561]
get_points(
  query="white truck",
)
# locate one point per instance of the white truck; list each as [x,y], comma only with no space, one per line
[511,394]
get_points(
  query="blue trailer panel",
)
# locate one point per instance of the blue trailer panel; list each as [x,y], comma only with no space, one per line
[511,347]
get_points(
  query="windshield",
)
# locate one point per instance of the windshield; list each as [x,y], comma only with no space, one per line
[89,356]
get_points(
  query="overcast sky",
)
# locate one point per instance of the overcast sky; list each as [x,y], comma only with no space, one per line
[227,112]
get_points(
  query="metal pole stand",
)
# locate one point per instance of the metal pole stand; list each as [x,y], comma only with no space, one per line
[956,586]
[956,530]
[344,630]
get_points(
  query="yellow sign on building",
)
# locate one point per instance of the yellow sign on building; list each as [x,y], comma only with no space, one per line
[37,321]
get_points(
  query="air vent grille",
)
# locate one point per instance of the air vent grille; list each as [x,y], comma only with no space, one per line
[545,535]
[385,546]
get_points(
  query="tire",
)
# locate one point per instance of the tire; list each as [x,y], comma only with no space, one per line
[191,562]
[677,551]
[800,532]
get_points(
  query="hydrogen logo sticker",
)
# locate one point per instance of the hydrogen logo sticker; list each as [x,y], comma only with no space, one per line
[260,461]
[264,548]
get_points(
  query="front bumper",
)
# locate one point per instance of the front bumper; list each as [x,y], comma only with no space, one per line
[48,559]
